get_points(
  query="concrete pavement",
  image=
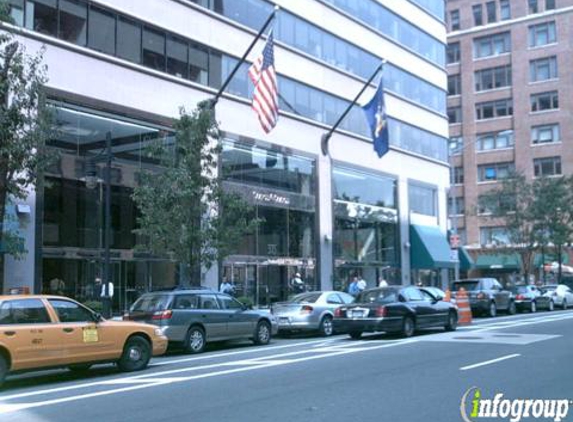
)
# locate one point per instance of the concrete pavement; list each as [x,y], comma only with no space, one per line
[335,379]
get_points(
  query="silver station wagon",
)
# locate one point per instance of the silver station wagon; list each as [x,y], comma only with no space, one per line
[193,318]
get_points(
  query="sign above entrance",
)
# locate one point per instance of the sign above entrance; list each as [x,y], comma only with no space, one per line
[257,195]
[270,197]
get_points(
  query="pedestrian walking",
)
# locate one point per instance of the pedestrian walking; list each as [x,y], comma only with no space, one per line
[227,287]
[296,284]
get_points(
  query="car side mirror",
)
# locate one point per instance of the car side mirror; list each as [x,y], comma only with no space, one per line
[97,317]
[401,298]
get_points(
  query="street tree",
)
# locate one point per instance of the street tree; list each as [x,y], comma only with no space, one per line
[510,204]
[24,124]
[185,212]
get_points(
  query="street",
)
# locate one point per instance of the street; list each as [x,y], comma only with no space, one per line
[308,378]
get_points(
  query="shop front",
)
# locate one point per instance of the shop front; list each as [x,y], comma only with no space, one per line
[366,234]
[73,204]
[280,185]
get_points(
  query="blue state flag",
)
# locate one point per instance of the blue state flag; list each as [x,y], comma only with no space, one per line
[376,116]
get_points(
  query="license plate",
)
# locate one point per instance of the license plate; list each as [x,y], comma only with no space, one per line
[283,320]
[357,314]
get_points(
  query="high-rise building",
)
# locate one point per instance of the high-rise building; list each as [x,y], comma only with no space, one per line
[509,105]
[125,67]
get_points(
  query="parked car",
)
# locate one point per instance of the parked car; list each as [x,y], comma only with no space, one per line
[561,294]
[486,296]
[194,318]
[312,311]
[39,332]
[395,310]
[529,298]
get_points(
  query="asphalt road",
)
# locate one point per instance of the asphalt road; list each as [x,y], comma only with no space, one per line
[312,379]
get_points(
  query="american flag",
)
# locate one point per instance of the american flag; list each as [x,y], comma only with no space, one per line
[265,96]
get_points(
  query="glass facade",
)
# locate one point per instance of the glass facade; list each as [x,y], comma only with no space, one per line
[366,230]
[73,213]
[281,187]
[435,7]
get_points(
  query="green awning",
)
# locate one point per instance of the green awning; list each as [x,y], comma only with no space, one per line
[429,248]
[548,258]
[466,261]
[499,261]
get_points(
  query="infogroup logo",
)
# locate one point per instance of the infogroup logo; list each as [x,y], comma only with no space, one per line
[473,407]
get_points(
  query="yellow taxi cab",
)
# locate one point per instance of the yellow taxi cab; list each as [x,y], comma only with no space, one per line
[39,331]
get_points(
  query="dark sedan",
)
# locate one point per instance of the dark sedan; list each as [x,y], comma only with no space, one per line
[530,298]
[395,310]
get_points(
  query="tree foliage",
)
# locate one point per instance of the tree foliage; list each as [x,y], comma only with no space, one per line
[24,123]
[185,212]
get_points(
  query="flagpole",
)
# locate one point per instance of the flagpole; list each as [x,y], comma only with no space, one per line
[242,60]
[326,137]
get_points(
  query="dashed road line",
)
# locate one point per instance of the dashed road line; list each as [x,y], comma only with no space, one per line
[489,362]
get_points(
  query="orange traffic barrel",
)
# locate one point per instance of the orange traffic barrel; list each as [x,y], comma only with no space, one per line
[464,310]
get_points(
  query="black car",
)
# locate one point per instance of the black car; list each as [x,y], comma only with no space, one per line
[530,298]
[395,309]
[486,296]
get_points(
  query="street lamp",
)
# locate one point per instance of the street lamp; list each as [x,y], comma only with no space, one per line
[92,181]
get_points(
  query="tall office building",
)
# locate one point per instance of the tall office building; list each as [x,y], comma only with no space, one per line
[125,67]
[509,105]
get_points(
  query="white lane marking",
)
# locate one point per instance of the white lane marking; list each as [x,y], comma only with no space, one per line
[489,362]
[5,408]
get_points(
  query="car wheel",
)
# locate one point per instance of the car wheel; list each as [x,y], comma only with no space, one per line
[195,340]
[80,367]
[325,328]
[408,327]
[492,310]
[136,354]
[3,369]
[355,334]
[452,323]
[533,307]
[564,304]
[551,306]
[262,333]
[512,310]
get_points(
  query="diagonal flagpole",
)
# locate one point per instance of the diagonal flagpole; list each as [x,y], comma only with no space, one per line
[326,137]
[242,60]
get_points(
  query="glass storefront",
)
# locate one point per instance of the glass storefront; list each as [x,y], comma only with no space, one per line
[281,187]
[73,211]
[366,232]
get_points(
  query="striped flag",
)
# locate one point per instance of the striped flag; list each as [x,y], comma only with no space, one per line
[265,96]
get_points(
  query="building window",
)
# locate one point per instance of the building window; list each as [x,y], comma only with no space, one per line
[493,109]
[493,172]
[542,34]
[494,236]
[454,84]
[101,29]
[544,101]
[456,206]
[478,15]
[491,11]
[454,20]
[545,134]
[454,114]
[73,21]
[543,69]
[129,40]
[422,199]
[198,64]
[16,11]
[550,166]
[153,49]
[42,16]
[177,50]
[495,77]
[456,144]
[549,4]
[533,7]
[453,53]
[504,10]
[456,175]
[492,45]
[491,141]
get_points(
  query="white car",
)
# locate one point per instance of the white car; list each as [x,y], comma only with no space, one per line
[561,294]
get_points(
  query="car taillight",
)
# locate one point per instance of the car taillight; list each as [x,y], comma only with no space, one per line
[481,296]
[381,311]
[338,312]
[519,297]
[161,315]
[306,309]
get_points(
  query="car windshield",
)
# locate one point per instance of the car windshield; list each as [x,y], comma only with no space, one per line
[305,298]
[378,296]
[150,303]
[467,285]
